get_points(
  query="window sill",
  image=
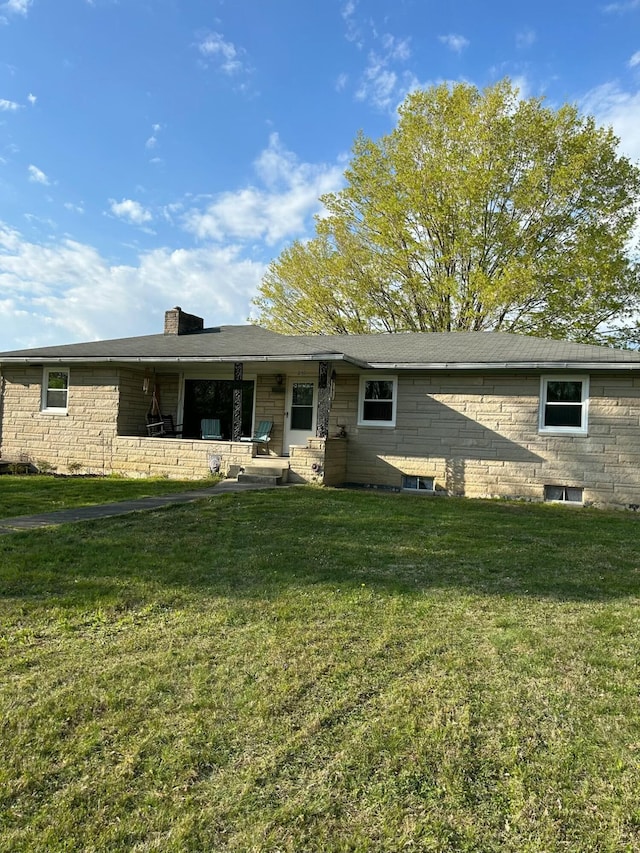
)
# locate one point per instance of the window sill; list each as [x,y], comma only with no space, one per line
[376,424]
[559,431]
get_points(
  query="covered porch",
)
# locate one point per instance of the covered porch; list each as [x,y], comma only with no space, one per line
[293,397]
[320,460]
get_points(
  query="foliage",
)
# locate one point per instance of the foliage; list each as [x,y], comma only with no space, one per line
[480,211]
[322,670]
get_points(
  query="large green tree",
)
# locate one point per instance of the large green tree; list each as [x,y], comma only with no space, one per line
[480,210]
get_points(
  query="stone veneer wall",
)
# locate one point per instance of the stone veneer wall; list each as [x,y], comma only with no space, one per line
[478,436]
[335,461]
[83,435]
[269,406]
[321,461]
[90,433]
[177,458]
[303,459]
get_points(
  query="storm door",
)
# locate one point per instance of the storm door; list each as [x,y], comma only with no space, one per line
[300,415]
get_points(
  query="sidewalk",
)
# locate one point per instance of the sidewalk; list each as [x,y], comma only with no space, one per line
[86,513]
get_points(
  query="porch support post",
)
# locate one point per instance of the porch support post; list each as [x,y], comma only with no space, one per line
[324,400]
[237,400]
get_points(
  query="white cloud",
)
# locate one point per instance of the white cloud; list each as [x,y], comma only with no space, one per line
[378,84]
[213,45]
[341,82]
[31,98]
[152,141]
[66,291]
[8,106]
[74,208]
[635,59]
[525,38]
[281,209]
[37,176]
[625,6]
[354,33]
[612,106]
[381,84]
[59,290]
[129,210]
[455,42]
[523,86]
[16,7]
[395,49]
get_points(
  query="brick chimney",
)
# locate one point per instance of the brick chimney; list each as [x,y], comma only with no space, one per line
[178,322]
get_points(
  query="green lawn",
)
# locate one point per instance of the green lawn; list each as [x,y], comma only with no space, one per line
[24,495]
[319,670]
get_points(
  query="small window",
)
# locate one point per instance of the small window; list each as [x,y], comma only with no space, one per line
[55,390]
[417,484]
[564,494]
[563,404]
[377,405]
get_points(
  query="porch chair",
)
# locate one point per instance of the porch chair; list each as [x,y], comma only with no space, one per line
[162,426]
[262,435]
[210,428]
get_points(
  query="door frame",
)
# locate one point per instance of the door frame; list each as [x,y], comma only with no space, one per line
[299,437]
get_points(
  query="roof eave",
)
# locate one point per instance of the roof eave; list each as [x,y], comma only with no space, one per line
[507,365]
[226,359]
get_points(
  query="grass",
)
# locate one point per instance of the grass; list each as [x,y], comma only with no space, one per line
[26,495]
[318,670]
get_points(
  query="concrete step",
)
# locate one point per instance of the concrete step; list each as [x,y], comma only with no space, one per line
[264,479]
[267,471]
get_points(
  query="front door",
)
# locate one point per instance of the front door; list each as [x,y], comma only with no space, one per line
[300,415]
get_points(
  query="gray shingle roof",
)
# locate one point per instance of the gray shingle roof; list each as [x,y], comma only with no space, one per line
[404,350]
[458,348]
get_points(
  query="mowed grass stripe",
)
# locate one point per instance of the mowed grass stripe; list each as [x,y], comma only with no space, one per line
[320,670]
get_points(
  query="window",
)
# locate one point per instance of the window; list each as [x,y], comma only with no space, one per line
[417,484]
[302,405]
[377,405]
[563,404]
[55,389]
[213,398]
[565,494]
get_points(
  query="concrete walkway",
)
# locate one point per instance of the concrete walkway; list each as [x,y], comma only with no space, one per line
[85,513]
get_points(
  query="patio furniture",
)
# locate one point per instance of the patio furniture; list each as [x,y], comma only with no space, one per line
[162,426]
[210,428]
[261,435]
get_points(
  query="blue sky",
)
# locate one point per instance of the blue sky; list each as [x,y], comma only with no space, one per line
[161,152]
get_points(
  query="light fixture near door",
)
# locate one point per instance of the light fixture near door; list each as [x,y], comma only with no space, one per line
[278,388]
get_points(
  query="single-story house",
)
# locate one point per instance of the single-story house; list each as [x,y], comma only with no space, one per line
[481,414]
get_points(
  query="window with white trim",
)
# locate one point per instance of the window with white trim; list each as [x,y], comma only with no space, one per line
[377,401]
[564,404]
[55,389]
